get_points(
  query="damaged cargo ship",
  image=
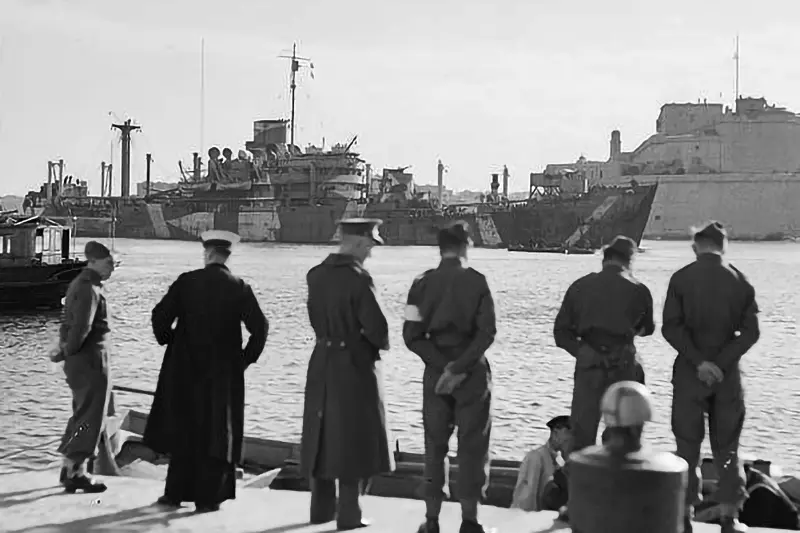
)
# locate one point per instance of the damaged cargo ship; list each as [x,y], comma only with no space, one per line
[286,195]
[276,192]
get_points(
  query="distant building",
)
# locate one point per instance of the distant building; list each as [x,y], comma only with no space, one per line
[467,197]
[593,171]
[739,166]
[701,138]
[433,190]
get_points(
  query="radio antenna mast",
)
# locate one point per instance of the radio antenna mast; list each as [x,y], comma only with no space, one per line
[736,61]
[202,94]
[297,62]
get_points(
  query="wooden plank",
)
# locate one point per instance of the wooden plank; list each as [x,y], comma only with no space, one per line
[32,502]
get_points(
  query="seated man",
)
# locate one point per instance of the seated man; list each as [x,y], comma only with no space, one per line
[556,491]
[540,464]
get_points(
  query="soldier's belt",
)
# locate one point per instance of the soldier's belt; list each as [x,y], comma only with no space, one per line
[614,356]
[331,343]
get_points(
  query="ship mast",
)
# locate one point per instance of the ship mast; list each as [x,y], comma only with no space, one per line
[125,129]
[736,60]
[202,93]
[296,61]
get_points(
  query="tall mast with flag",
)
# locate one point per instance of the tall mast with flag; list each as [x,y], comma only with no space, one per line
[736,61]
[297,62]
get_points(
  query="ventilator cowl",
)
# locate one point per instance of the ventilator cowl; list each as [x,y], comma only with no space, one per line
[624,486]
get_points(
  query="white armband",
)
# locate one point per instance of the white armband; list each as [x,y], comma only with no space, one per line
[412,314]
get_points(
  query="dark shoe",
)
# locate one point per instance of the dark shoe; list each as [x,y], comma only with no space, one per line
[357,525]
[468,526]
[206,507]
[84,483]
[167,502]
[431,525]
[321,520]
[731,525]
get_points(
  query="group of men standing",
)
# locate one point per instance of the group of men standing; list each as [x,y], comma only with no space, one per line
[710,318]
[198,411]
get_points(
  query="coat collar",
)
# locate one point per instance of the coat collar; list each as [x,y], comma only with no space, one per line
[451,261]
[710,258]
[93,276]
[342,260]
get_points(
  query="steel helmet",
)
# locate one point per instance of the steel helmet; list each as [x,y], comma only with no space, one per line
[626,404]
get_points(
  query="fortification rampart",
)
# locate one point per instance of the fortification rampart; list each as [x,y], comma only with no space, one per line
[753,206]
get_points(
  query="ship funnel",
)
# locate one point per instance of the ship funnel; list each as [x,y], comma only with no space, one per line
[616,145]
[505,181]
[495,183]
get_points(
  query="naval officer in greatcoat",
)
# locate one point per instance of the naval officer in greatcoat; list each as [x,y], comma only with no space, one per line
[711,320]
[449,324]
[197,415]
[344,421]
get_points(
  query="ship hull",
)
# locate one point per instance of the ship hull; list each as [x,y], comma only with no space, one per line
[586,222]
[31,287]
[753,207]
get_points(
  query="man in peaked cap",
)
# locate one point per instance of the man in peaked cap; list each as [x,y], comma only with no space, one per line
[450,324]
[197,415]
[344,434]
[711,320]
[219,241]
[83,347]
[599,318]
[539,466]
[362,227]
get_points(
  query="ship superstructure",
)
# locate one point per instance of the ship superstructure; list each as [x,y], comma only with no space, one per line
[274,191]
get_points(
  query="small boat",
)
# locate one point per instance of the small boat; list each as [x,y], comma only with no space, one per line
[35,264]
[551,250]
[260,456]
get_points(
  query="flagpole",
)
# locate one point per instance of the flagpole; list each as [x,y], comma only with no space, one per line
[202,93]
[736,59]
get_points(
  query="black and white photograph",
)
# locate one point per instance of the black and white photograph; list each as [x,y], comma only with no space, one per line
[399,266]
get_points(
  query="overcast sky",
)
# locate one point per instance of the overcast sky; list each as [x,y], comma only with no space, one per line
[477,84]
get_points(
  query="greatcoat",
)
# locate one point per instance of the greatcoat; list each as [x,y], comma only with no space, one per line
[344,420]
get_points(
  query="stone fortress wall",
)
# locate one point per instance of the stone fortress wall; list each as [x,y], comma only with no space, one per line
[740,166]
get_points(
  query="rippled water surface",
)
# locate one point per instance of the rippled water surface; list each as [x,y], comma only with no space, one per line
[533,378]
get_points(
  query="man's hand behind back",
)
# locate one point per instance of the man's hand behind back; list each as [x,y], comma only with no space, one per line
[449,381]
[709,373]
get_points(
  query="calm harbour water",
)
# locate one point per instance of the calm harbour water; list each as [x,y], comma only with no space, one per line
[533,378]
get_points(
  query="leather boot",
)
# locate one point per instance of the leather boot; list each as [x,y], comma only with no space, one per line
[348,511]
[730,524]
[323,500]
[76,478]
[166,501]
[469,526]
[431,525]
[83,483]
